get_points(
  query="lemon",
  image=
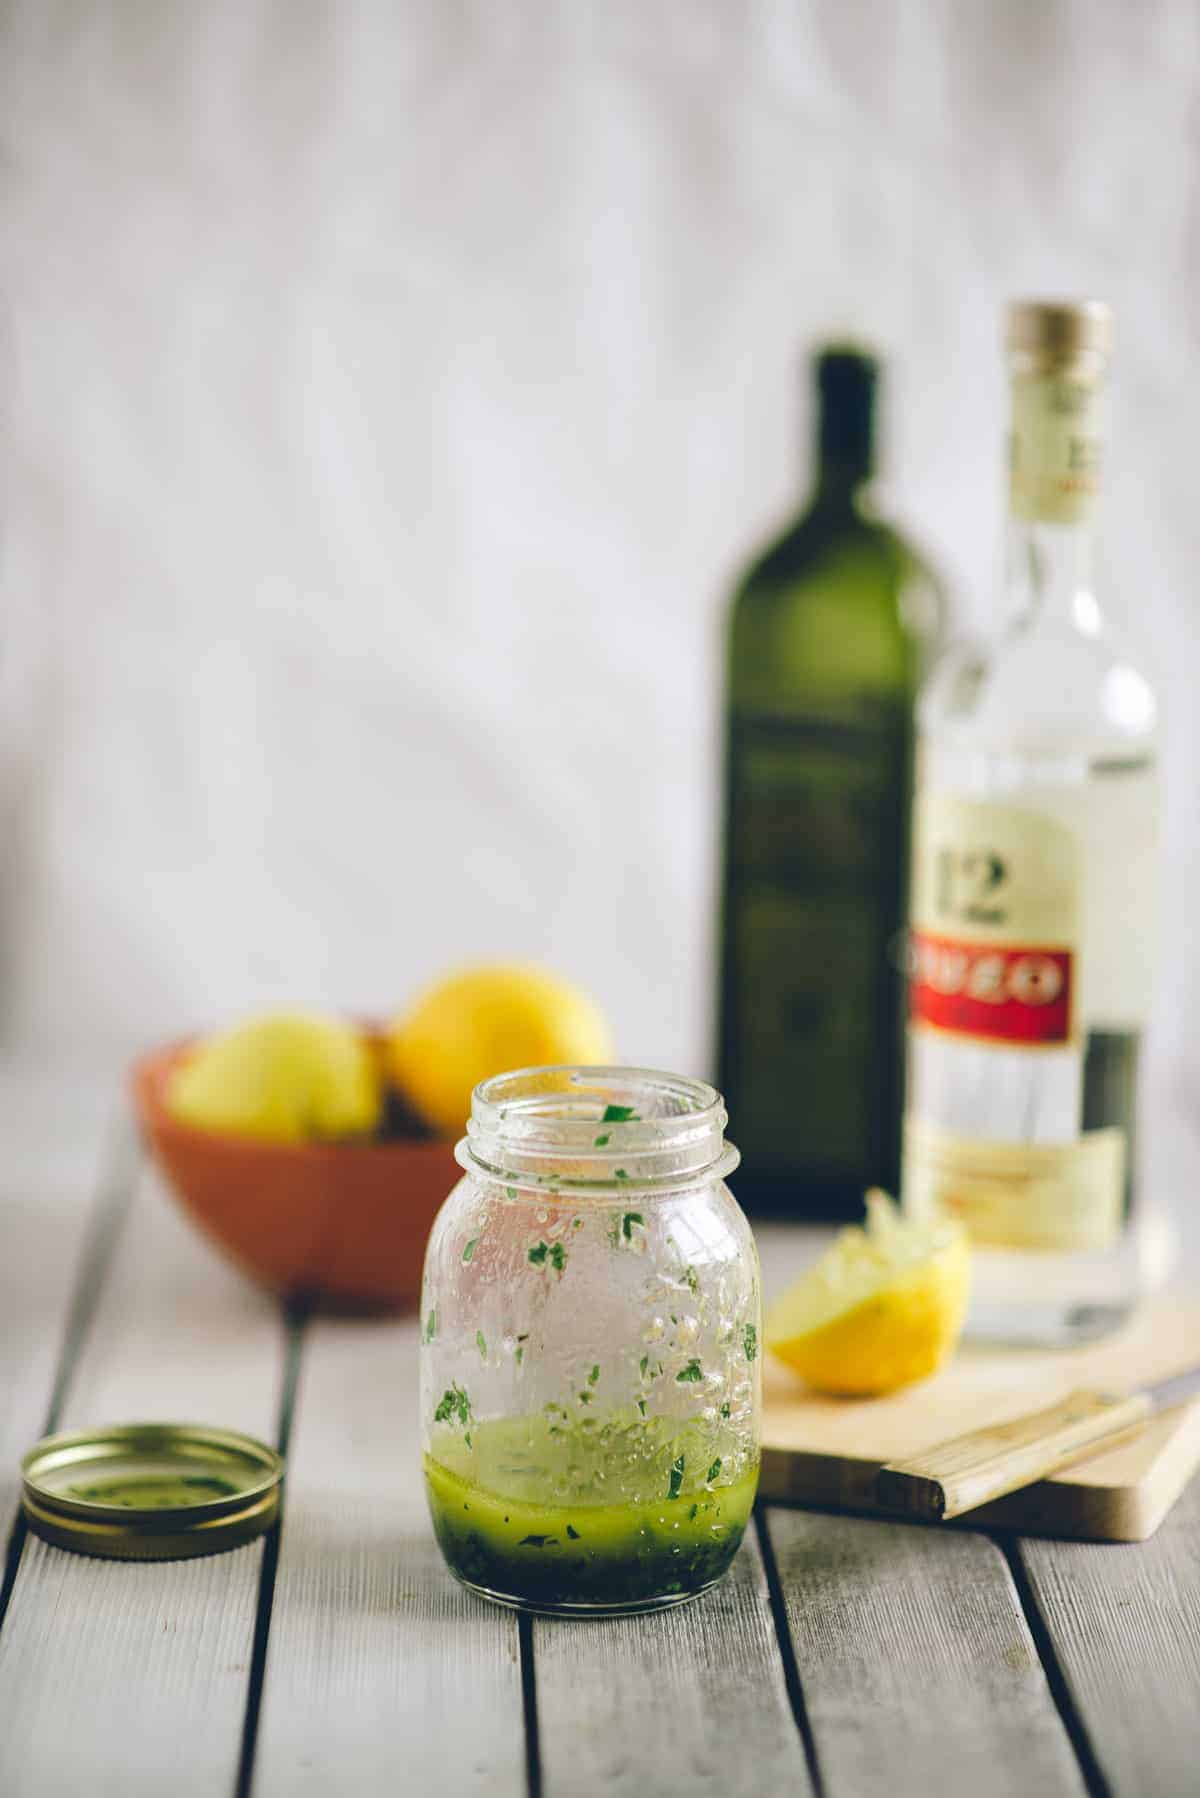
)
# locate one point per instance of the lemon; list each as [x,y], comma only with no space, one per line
[882,1307]
[286,1077]
[484,1021]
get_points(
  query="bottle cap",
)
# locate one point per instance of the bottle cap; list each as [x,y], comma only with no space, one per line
[1059,331]
[151,1491]
[847,377]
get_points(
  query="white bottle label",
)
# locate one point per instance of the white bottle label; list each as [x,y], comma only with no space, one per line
[994,1136]
[1018,1195]
[1056,447]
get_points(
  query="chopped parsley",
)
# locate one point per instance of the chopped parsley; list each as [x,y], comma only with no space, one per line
[714,1470]
[585,1398]
[431,1325]
[520,1353]
[691,1372]
[619,1114]
[510,1192]
[467,1439]
[644,1364]
[725,1409]
[481,1343]
[552,1252]
[453,1403]
[750,1341]
[470,1248]
[642,1406]
[620,1174]
[537,1542]
[594,1375]
[676,1480]
[692,1512]
[602,1142]
[628,1221]
[573,1534]
[691,1280]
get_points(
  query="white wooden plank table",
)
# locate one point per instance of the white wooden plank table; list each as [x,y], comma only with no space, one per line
[843,1657]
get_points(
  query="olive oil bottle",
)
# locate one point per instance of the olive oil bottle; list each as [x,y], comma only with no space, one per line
[830,632]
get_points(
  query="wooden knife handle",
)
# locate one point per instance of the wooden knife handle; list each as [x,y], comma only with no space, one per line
[955,1476]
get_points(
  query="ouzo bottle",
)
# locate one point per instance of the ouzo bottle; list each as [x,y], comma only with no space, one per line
[1033,889]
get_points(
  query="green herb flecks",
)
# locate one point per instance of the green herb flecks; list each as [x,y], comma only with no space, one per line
[585,1398]
[481,1343]
[520,1354]
[431,1325]
[643,1364]
[551,1252]
[537,1542]
[750,1341]
[510,1192]
[641,1405]
[725,1409]
[620,1114]
[676,1480]
[470,1248]
[467,1437]
[628,1221]
[691,1280]
[692,1513]
[573,1534]
[713,1471]
[594,1375]
[602,1142]
[453,1403]
[690,1373]
[620,1174]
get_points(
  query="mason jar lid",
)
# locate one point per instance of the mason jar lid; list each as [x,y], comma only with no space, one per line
[151,1491]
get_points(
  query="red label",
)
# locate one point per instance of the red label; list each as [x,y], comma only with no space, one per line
[989,990]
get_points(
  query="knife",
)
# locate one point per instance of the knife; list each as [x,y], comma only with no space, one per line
[955,1476]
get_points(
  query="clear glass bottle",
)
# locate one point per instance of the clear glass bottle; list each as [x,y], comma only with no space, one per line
[1033,891]
[590,1381]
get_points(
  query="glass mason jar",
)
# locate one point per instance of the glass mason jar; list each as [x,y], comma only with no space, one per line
[590,1326]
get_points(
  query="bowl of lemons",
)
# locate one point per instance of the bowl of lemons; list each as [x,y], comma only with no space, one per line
[315,1151]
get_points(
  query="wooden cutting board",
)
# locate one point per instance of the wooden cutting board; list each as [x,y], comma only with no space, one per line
[823,1451]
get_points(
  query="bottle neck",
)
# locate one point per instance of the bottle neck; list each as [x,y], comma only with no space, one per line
[1048,575]
[840,485]
[1055,454]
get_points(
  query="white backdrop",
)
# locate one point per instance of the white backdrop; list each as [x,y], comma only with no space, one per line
[389,393]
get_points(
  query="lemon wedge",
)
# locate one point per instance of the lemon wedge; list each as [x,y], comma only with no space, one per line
[884,1306]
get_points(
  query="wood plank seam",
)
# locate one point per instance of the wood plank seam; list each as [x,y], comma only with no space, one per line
[787,1651]
[1056,1678]
[295,1323]
[533,1754]
[120,1169]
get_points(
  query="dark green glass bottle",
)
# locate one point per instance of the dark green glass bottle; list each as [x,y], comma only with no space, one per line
[831,630]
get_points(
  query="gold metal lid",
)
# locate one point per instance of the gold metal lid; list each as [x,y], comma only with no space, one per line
[1059,331]
[151,1491]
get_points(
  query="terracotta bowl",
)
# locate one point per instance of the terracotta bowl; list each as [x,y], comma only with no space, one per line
[344,1223]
